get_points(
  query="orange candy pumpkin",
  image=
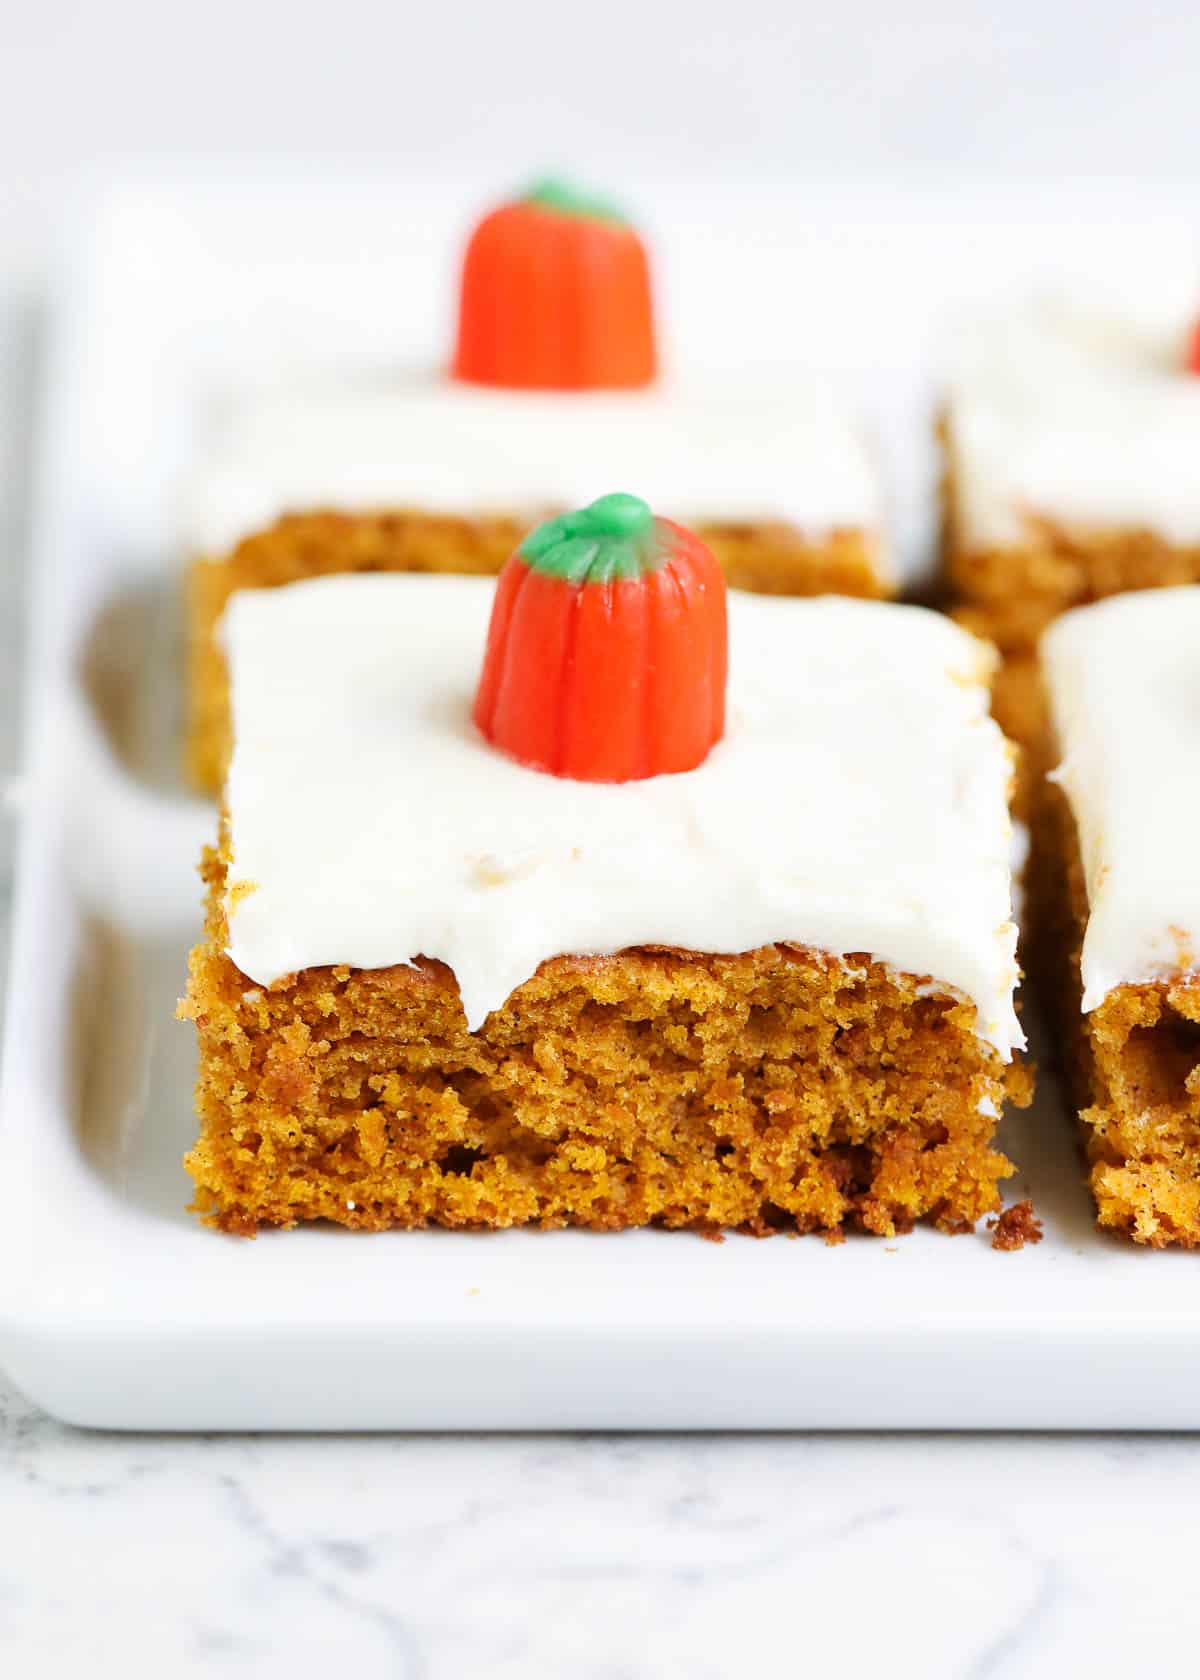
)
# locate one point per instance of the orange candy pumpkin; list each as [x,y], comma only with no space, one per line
[555,296]
[607,650]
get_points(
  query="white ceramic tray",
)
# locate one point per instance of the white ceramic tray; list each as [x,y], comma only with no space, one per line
[116,1307]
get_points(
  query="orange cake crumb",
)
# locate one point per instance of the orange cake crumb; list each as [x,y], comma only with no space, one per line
[1015,1227]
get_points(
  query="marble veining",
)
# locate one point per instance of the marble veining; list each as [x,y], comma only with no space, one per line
[598,1556]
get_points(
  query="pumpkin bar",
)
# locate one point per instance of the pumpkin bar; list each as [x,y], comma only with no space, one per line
[1119,896]
[1070,437]
[522,914]
[553,392]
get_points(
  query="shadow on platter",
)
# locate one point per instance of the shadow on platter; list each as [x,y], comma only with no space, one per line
[135,1066]
[130,675]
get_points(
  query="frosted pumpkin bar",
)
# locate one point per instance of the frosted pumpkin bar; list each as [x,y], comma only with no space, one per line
[520,915]
[1071,433]
[1119,892]
[553,392]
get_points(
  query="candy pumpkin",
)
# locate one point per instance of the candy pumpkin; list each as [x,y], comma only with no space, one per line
[607,649]
[555,295]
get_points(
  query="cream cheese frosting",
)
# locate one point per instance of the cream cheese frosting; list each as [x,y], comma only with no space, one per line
[1124,686]
[857,803]
[1084,417]
[762,448]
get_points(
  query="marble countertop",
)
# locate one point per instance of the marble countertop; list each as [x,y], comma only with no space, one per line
[605,1557]
[600,1557]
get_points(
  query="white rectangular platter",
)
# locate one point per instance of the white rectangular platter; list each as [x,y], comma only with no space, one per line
[117,1308]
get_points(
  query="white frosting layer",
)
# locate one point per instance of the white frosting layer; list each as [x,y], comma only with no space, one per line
[1124,684]
[857,802]
[769,449]
[1085,419]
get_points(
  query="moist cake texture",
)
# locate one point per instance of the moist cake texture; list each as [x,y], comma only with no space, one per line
[774,1090]
[432,475]
[1118,923]
[775,991]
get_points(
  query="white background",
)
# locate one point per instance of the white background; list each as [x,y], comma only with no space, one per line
[939,1558]
[708,86]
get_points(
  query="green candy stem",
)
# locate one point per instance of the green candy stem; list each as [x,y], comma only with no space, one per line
[614,537]
[553,193]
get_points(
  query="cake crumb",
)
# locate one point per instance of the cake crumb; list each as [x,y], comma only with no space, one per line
[1015,1227]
